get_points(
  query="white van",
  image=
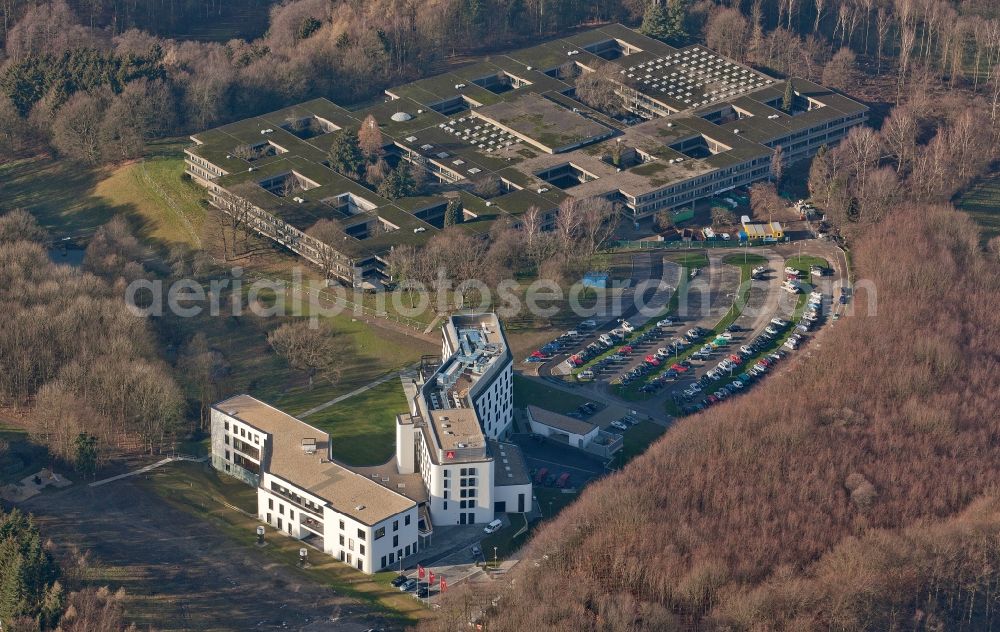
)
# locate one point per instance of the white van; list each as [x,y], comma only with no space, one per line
[494,526]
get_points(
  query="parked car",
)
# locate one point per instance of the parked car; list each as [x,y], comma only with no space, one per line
[476,551]
[493,526]
[619,425]
[540,475]
[408,585]
[563,480]
[399,580]
[587,324]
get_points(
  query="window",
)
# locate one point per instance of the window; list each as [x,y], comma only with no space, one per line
[227,425]
[291,515]
[463,493]
[227,455]
[379,533]
[446,482]
[395,540]
[350,544]
[361,534]
[472,482]
[341,525]
[341,539]
[226,439]
[406,520]
[472,493]
[361,549]
[395,525]
[281,509]
[270,503]
[446,494]
[446,505]
[383,561]
[361,564]
[256,438]
[407,549]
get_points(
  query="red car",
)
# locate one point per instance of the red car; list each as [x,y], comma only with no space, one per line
[736,359]
[680,368]
[537,354]
[712,399]
[652,360]
[576,360]
[625,349]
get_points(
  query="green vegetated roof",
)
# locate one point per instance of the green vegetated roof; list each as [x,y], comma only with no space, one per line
[537,114]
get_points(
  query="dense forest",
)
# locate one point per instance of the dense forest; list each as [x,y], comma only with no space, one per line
[80,78]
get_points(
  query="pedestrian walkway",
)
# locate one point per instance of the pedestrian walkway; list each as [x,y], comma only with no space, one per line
[148,468]
[367,387]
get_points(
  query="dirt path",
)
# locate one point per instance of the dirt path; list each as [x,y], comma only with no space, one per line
[181,572]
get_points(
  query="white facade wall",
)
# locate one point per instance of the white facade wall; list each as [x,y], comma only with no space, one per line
[405,459]
[575,440]
[344,538]
[451,502]
[495,403]
[364,546]
[515,498]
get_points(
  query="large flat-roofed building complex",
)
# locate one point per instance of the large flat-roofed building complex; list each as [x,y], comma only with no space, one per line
[452,464]
[689,124]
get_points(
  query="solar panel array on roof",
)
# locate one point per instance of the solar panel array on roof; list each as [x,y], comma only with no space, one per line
[695,77]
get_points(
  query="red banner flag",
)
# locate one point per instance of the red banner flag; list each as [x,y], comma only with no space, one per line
[430,578]
[444,584]
[420,571]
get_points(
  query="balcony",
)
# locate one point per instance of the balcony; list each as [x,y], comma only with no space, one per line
[297,501]
[312,524]
[247,449]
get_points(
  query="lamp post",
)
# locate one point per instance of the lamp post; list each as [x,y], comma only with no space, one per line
[495,557]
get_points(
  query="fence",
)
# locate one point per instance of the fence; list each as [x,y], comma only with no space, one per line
[681,245]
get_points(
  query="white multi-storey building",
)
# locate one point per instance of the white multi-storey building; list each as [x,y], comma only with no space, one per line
[451,459]
[301,492]
[452,435]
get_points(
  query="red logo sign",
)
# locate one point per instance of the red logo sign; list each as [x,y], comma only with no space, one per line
[449,455]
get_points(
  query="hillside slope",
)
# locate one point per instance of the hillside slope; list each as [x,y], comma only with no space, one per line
[854,491]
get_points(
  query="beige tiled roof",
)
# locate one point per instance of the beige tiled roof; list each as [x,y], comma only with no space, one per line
[347,492]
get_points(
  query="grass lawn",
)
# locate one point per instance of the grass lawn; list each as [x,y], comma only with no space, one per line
[69,199]
[528,391]
[199,490]
[167,208]
[744,258]
[982,203]
[551,500]
[638,439]
[363,427]
[506,540]
[696,259]
[802,263]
